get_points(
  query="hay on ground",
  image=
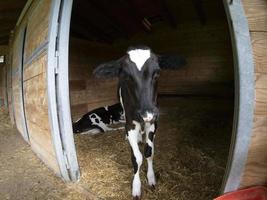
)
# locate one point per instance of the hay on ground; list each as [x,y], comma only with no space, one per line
[191,149]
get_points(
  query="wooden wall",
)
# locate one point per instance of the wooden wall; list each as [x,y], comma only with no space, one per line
[16,82]
[86,92]
[3,81]
[256,168]
[35,85]
[9,81]
[32,82]
[2,85]
[207,49]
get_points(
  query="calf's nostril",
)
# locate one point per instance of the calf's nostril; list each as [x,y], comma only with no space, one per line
[148,116]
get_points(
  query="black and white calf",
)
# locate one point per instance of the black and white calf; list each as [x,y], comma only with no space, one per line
[98,120]
[138,73]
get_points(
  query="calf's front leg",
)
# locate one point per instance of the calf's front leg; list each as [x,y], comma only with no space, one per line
[150,130]
[137,160]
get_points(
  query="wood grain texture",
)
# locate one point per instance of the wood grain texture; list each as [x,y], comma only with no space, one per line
[3,76]
[36,23]
[259,41]
[37,29]
[86,92]
[2,85]
[256,166]
[10,95]
[36,110]
[16,80]
[256,14]
[16,91]
[255,172]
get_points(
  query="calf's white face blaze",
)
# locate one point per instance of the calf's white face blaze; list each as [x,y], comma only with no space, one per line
[139,57]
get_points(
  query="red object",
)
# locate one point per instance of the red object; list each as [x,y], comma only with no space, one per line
[254,193]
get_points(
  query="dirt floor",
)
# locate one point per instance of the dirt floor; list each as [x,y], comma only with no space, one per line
[23,176]
[191,150]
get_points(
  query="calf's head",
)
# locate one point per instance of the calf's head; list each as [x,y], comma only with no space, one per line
[138,73]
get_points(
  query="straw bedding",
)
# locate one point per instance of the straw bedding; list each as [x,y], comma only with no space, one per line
[22,175]
[191,149]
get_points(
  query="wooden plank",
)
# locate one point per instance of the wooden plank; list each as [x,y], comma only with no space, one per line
[256,12]
[77,85]
[260,81]
[16,52]
[10,95]
[78,110]
[36,68]
[256,167]
[36,111]
[259,41]
[16,82]
[84,57]
[93,105]
[86,96]
[3,70]
[4,81]
[37,29]
[47,159]
[17,107]
[2,85]
[42,137]
[260,103]
[78,72]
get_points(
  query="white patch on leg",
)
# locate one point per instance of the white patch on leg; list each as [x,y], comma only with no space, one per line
[100,123]
[139,57]
[117,128]
[150,171]
[149,127]
[91,132]
[136,186]
[133,140]
[140,138]
[123,112]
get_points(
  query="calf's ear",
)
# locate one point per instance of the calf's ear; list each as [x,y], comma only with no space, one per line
[107,70]
[171,61]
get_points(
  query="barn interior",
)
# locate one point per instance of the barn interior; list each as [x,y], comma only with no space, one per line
[196,102]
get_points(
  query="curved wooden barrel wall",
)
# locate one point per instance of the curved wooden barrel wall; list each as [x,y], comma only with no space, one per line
[17,77]
[247,158]
[9,82]
[29,81]
[2,85]
[255,172]
[3,71]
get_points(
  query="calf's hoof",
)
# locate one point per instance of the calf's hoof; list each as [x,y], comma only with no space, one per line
[152,187]
[137,198]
